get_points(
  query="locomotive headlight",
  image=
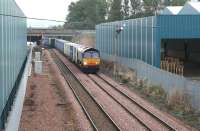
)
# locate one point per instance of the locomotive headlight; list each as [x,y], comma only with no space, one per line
[84,63]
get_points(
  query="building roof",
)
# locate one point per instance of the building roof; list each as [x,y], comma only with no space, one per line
[190,8]
[171,10]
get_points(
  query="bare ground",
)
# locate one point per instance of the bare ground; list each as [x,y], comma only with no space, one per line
[47,106]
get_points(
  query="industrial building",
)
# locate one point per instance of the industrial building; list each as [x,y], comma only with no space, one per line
[13,54]
[157,38]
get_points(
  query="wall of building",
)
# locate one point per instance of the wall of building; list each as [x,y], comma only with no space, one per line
[137,40]
[155,76]
[13,50]
[141,38]
[140,43]
[178,29]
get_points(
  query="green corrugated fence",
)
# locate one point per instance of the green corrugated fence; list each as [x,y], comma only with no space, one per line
[13,51]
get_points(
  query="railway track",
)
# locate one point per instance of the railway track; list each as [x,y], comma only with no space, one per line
[143,115]
[99,119]
[135,107]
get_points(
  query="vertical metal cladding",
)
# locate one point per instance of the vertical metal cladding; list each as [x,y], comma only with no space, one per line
[13,49]
[176,27]
[179,26]
[137,40]
[141,37]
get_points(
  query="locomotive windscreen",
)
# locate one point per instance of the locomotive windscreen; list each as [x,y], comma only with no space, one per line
[91,54]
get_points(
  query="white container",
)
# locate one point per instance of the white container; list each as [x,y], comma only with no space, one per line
[37,56]
[38,67]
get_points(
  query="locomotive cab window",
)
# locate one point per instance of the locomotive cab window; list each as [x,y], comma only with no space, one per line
[91,55]
[95,55]
[87,55]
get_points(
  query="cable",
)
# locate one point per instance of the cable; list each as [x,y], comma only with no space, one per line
[24,17]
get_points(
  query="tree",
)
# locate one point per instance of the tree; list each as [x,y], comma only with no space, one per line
[85,14]
[75,12]
[101,10]
[115,12]
[167,2]
[126,9]
[178,2]
[135,8]
[151,6]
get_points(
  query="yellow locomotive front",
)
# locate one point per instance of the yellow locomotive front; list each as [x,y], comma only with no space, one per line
[91,61]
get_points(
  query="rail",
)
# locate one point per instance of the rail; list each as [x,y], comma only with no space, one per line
[83,96]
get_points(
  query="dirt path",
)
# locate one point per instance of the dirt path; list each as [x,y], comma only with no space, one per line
[46,106]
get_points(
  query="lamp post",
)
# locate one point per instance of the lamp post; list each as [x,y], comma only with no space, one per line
[118,30]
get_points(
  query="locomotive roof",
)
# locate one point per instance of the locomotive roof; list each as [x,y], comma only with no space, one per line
[83,48]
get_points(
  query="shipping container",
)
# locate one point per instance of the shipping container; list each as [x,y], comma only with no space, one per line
[59,44]
[13,52]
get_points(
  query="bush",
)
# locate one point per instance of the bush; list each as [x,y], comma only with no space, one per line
[179,102]
[155,91]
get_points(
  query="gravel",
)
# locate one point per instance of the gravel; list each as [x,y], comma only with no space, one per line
[118,114]
[138,112]
[176,123]
[121,117]
[49,104]
[101,121]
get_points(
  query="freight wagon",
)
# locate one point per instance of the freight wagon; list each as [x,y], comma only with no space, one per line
[87,58]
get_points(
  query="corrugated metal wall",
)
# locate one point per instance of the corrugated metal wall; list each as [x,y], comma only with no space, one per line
[13,49]
[179,26]
[176,27]
[141,41]
[141,38]
[137,40]
[168,81]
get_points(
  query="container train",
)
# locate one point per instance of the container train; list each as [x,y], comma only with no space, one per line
[87,58]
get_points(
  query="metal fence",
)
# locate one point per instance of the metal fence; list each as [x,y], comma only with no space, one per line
[168,81]
[13,51]
[137,40]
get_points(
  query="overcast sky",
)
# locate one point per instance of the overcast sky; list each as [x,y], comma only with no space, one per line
[46,9]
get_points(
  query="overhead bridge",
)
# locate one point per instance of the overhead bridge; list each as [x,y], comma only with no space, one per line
[36,34]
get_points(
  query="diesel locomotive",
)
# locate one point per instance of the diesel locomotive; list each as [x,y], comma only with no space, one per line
[87,58]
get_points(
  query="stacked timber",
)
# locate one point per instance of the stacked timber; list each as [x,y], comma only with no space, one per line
[173,65]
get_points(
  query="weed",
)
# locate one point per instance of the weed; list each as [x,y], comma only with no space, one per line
[156,91]
[125,81]
[179,102]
